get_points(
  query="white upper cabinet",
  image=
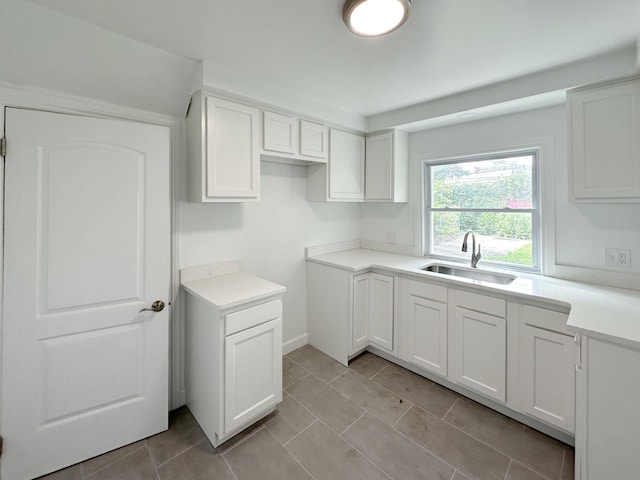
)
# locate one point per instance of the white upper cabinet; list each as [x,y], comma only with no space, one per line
[346,167]
[222,151]
[373,169]
[604,144]
[280,133]
[289,139]
[343,178]
[314,140]
[386,167]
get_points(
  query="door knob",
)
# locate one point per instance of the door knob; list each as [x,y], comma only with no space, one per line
[156,306]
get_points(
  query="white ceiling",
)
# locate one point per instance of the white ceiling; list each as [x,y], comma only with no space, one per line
[302,46]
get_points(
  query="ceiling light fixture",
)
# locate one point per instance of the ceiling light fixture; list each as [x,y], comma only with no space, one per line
[374,18]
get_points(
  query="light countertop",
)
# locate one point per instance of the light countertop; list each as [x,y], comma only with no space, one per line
[611,314]
[225,288]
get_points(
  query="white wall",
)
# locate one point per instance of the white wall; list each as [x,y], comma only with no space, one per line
[48,50]
[269,236]
[575,235]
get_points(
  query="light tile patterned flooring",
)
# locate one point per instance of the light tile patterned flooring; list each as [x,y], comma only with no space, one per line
[370,421]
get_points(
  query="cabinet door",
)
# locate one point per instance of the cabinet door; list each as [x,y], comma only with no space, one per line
[252,372]
[378,167]
[280,133]
[480,352]
[313,139]
[360,323]
[426,323]
[605,142]
[609,435]
[381,310]
[346,165]
[547,375]
[232,157]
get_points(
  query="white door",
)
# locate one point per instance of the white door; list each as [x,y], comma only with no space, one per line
[547,375]
[360,322]
[233,160]
[346,168]
[426,323]
[379,155]
[381,310]
[480,349]
[87,245]
[313,139]
[252,372]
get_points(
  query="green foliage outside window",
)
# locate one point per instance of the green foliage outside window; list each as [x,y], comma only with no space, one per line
[502,192]
[504,184]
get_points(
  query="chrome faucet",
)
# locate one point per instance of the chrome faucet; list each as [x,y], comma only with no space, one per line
[475,257]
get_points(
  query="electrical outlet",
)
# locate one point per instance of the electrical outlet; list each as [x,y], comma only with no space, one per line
[391,237]
[617,257]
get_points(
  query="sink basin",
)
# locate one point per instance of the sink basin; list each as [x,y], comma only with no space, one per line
[480,275]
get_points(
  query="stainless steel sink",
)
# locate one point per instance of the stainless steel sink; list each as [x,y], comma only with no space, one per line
[479,275]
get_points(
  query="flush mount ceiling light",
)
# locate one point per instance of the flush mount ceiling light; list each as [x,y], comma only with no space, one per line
[374,18]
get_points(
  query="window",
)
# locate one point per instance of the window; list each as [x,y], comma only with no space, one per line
[495,196]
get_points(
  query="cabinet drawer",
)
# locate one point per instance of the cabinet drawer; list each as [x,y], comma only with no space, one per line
[249,317]
[546,319]
[482,303]
[426,290]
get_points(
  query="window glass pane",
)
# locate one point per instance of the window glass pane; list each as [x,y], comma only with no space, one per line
[504,236]
[498,183]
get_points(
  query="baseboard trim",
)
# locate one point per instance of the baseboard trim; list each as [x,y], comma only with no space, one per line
[295,343]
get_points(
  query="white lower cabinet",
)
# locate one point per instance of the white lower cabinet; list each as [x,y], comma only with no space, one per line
[381,311]
[252,373]
[346,312]
[233,364]
[424,315]
[372,311]
[547,358]
[480,352]
[478,343]
[513,356]
[607,420]
[360,321]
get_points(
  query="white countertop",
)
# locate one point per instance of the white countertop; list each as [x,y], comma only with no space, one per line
[231,289]
[611,314]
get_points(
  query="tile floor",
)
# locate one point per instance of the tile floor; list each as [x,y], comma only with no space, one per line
[370,421]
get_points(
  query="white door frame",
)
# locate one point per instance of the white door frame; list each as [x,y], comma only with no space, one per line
[23,97]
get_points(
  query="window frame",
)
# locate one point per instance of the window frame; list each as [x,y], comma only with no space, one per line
[536,221]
